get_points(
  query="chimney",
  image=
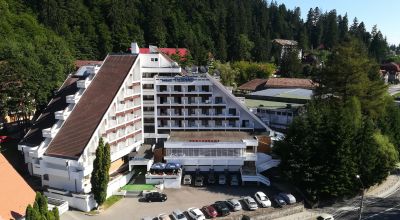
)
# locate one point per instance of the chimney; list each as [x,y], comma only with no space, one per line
[134,48]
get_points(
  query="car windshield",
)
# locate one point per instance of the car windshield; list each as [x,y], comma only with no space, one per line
[181,216]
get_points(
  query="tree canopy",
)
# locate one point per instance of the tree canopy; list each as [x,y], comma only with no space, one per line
[348,129]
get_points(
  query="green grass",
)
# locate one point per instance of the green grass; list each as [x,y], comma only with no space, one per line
[111,201]
[138,187]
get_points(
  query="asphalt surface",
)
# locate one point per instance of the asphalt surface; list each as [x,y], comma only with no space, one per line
[373,209]
[184,198]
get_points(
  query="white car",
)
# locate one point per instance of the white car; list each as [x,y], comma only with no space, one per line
[251,203]
[163,216]
[196,214]
[234,204]
[187,179]
[178,215]
[262,199]
[325,217]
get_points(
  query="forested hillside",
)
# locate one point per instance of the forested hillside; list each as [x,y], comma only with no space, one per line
[229,30]
[41,38]
[33,60]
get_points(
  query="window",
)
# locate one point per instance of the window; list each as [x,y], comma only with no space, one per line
[218,100]
[163,88]
[191,88]
[148,97]
[46,177]
[177,88]
[148,86]
[154,59]
[232,111]
[205,88]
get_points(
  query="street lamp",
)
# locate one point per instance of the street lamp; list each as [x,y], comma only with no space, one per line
[362,196]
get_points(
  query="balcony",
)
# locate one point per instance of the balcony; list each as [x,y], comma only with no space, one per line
[83,84]
[49,132]
[63,114]
[93,69]
[73,99]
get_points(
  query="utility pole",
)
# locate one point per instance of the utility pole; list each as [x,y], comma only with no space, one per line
[362,197]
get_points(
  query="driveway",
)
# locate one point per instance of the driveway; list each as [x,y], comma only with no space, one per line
[184,198]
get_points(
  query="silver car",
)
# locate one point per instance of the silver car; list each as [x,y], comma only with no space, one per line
[178,215]
[234,204]
[251,203]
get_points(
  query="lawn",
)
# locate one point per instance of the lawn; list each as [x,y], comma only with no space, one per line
[138,187]
[110,201]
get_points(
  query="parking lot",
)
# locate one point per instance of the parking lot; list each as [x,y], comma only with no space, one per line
[184,198]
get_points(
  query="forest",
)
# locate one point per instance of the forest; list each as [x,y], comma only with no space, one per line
[227,30]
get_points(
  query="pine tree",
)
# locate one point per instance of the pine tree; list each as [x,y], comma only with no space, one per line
[97,174]
[100,173]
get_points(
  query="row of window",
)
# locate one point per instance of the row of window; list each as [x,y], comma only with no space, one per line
[205,152]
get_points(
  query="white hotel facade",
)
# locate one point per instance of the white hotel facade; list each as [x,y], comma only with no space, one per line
[128,100]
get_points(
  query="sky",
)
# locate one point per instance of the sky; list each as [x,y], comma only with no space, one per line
[384,13]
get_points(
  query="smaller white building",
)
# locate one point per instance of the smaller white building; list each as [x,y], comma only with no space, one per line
[216,150]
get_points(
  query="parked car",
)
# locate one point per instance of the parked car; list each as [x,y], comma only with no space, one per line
[234,180]
[211,178]
[250,203]
[262,199]
[199,180]
[221,208]
[196,214]
[155,197]
[279,201]
[325,217]
[178,215]
[5,139]
[163,216]
[222,179]
[234,204]
[209,211]
[187,179]
[289,198]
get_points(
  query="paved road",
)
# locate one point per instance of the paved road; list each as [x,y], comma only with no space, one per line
[374,209]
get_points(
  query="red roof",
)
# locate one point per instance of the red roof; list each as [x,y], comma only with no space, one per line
[290,83]
[168,51]
[15,193]
[254,85]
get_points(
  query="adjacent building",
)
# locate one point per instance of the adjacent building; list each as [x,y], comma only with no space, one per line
[15,193]
[128,100]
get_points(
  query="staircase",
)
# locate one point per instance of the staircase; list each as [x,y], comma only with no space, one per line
[267,165]
[265,162]
[256,178]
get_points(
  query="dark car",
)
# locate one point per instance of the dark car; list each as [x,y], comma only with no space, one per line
[209,211]
[222,208]
[199,180]
[211,178]
[279,201]
[155,197]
